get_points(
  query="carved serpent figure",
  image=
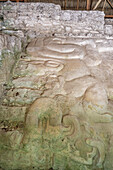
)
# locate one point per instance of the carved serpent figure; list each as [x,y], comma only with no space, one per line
[74,100]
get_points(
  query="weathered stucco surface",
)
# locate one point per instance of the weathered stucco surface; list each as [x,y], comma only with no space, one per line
[56,88]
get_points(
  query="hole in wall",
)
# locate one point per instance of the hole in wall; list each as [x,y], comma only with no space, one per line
[17,93]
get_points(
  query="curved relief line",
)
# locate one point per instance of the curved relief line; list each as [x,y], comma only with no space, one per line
[43,59]
[91,62]
[97,118]
[51,40]
[72,90]
[35,62]
[81,160]
[71,79]
[80,42]
[72,122]
[51,63]
[71,41]
[101,148]
[57,55]
[61,48]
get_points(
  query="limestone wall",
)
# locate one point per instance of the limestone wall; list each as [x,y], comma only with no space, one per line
[56,89]
[109,27]
[48,19]
[22,22]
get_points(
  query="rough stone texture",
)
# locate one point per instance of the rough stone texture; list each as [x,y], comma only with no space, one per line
[56,90]
[109,27]
[48,19]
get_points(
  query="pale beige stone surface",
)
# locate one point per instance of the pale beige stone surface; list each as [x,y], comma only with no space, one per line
[56,90]
[62,87]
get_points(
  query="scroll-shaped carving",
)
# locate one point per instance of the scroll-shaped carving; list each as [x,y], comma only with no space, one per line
[44,108]
[101,149]
[72,127]
[77,81]
[67,90]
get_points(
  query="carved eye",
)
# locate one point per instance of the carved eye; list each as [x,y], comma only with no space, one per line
[51,63]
